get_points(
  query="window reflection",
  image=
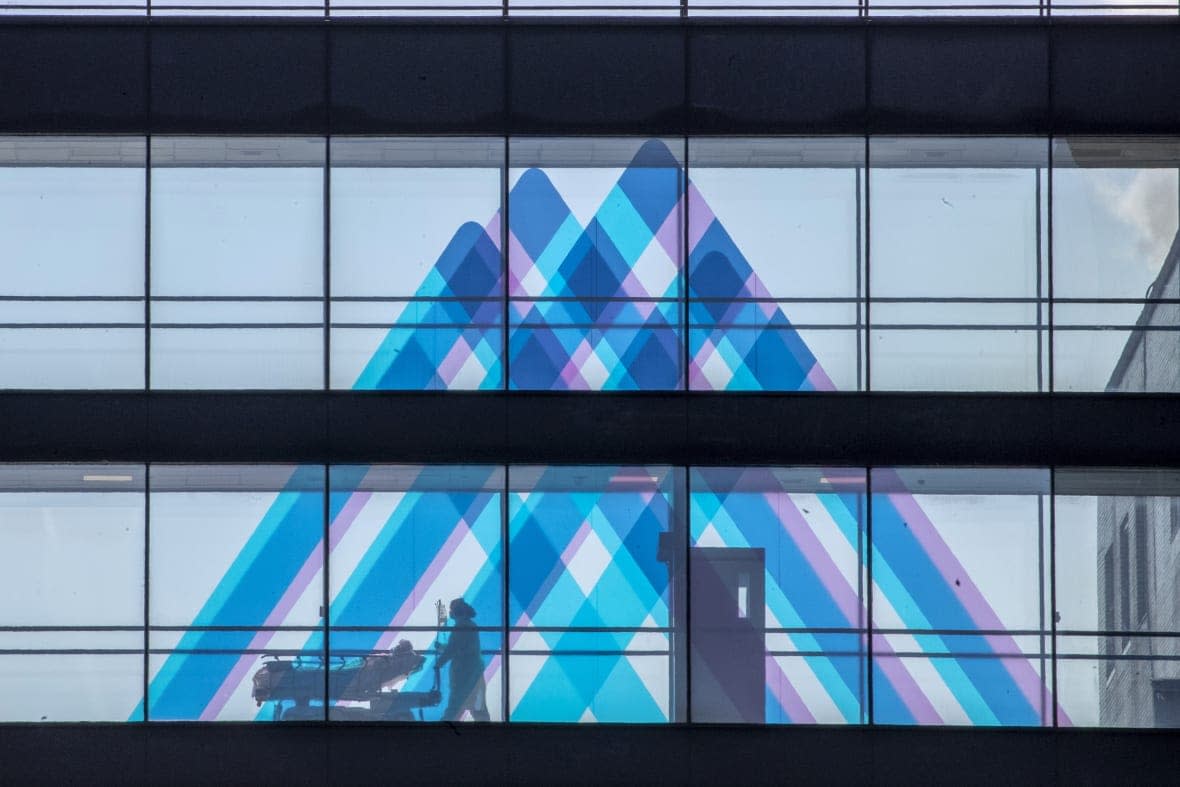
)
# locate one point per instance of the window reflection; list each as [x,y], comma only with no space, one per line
[1116,575]
[1116,264]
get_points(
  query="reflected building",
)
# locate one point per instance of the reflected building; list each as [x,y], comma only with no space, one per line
[1138,559]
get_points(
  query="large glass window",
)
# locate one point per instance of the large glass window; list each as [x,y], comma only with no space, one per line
[1117,585]
[591,601]
[71,592]
[236,581]
[71,262]
[595,255]
[778,596]
[237,262]
[956,259]
[417,285]
[417,558]
[1116,265]
[960,588]
[774,240]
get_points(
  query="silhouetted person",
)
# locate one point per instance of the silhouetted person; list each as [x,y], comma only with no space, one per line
[466,685]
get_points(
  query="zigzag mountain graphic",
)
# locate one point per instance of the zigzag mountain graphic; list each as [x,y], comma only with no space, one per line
[598,306]
[602,333]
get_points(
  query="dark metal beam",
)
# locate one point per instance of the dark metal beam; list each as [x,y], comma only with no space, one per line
[520,427]
[523,754]
[521,76]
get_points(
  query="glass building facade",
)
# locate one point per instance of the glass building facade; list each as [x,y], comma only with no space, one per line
[591,264]
[644,594]
[587,264]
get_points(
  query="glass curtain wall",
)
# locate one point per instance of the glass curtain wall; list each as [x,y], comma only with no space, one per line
[649,594]
[590,264]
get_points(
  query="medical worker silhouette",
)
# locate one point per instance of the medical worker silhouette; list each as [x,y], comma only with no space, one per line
[467,690]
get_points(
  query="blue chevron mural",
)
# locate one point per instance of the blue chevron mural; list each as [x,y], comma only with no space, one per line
[601,306]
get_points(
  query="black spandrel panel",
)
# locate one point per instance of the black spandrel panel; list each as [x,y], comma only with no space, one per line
[82,78]
[417,79]
[780,79]
[958,79]
[574,79]
[1116,78]
[240,79]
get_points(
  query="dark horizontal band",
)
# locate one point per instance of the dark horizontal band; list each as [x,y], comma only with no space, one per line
[1058,430]
[812,76]
[522,754]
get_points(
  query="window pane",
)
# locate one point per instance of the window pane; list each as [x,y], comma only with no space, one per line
[73,539]
[775,264]
[229,676]
[1119,518]
[58,687]
[1116,681]
[237,262]
[957,224]
[591,602]
[1116,265]
[71,262]
[959,596]
[417,290]
[407,542]
[595,257]
[778,595]
[236,554]
[74,535]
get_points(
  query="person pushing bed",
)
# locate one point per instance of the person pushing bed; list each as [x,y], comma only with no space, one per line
[467,690]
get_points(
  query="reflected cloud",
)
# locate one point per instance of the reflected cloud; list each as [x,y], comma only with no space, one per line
[1147,204]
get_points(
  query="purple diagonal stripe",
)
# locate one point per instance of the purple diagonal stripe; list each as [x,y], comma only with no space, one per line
[669,237]
[1031,685]
[819,379]
[449,368]
[902,681]
[786,695]
[519,263]
[492,228]
[307,571]
[846,599]
[445,552]
[700,216]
